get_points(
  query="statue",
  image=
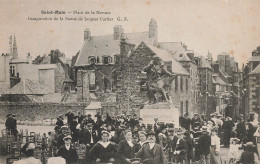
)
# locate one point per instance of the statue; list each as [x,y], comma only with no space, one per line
[156,80]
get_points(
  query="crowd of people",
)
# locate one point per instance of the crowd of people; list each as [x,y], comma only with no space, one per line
[125,139]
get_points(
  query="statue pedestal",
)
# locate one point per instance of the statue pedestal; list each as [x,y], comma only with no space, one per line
[164,111]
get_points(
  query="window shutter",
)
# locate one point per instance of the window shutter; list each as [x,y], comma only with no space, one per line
[109,59]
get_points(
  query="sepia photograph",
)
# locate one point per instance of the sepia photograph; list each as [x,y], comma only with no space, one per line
[129,82]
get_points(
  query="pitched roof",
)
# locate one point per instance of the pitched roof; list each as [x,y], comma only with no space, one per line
[176,49]
[256,70]
[166,56]
[65,60]
[28,87]
[217,80]
[107,45]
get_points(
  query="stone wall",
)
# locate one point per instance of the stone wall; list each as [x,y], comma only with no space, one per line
[59,74]
[41,111]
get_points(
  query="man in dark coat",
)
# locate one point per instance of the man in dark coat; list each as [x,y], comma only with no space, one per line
[241,129]
[181,148]
[171,145]
[69,117]
[227,128]
[186,122]
[68,152]
[73,129]
[195,120]
[151,153]
[60,141]
[59,121]
[8,122]
[204,144]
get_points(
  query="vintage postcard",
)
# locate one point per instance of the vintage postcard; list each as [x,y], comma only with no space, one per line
[97,81]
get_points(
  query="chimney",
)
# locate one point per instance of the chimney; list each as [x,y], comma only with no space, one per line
[184,46]
[118,31]
[87,34]
[153,29]
[125,48]
[29,58]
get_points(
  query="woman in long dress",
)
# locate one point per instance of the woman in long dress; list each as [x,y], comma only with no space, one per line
[215,147]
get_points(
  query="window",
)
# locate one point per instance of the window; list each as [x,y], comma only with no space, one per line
[98,59]
[187,84]
[12,71]
[91,60]
[117,59]
[181,84]
[176,83]
[181,107]
[92,81]
[105,59]
[181,55]
[187,106]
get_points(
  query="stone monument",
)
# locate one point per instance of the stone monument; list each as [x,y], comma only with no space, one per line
[160,104]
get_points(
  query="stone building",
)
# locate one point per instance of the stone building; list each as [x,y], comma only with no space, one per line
[4,72]
[56,67]
[228,69]
[22,69]
[99,54]
[186,57]
[206,103]
[250,85]
[127,75]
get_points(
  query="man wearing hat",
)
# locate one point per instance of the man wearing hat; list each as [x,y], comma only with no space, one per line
[68,152]
[140,125]
[73,129]
[151,153]
[204,144]
[171,143]
[181,148]
[195,119]
[8,122]
[59,121]
[186,122]
[60,141]
[69,117]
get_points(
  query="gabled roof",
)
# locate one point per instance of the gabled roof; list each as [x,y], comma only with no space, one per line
[66,60]
[28,87]
[107,45]
[217,80]
[176,49]
[256,70]
[166,56]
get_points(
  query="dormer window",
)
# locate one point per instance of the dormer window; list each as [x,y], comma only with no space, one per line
[181,55]
[107,59]
[91,60]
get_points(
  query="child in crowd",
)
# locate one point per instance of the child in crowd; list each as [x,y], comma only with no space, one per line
[233,150]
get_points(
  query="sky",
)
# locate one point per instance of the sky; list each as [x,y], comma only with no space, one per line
[231,26]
